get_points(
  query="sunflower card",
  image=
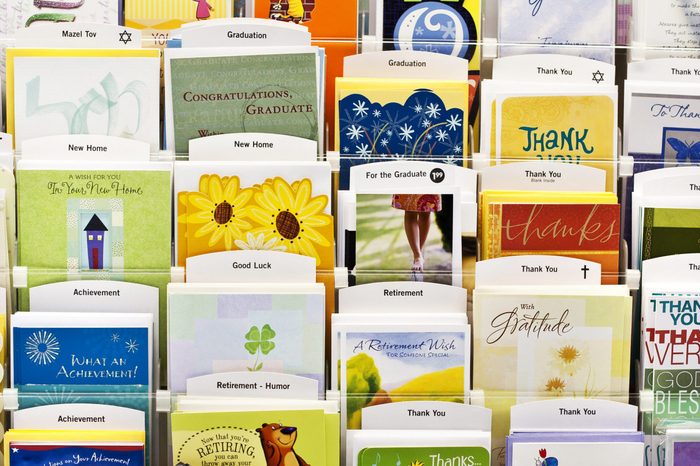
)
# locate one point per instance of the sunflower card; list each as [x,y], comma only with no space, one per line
[228,206]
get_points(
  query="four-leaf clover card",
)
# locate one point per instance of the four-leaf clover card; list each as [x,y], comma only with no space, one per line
[245,327]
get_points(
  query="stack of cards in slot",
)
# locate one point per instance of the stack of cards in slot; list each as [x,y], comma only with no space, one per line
[255,430]
[379,358]
[566,122]
[583,225]
[400,118]
[538,342]
[277,327]
[665,214]
[89,448]
[211,91]
[575,448]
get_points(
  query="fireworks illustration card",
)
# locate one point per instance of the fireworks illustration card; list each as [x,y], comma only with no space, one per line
[26,13]
[258,330]
[227,206]
[379,118]
[448,26]
[62,358]
[218,91]
[534,23]
[394,363]
[84,91]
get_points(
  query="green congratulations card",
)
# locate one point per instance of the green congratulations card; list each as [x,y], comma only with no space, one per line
[250,438]
[208,94]
[416,456]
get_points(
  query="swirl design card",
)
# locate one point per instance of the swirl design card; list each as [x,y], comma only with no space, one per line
[448,27]
[551,23]
[83,91]
[209,92]
[257,330]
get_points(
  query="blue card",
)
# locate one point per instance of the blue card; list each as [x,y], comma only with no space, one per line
[33,455]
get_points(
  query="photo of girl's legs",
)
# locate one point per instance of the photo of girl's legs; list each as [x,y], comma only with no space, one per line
[411,225]
[423,228]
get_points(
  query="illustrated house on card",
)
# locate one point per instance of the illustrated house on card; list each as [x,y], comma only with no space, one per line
[95,232]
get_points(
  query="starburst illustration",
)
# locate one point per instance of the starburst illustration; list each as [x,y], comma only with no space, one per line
[449,31]
[115,338]
[555,385]
[419,31]
[453,122]
[363,150]
[376,113]
[418,108]
[457,149]
[441,135]
[58,396]
[433,110]
[42,347]
[425,123]
[428,136]
[346,149]
[405,133]
[132,346]
[390,133]
[384,142]
[360,109]
[354,132]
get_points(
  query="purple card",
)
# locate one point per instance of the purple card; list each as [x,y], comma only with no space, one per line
[686,453]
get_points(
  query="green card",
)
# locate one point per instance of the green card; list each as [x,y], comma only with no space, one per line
[212,95]
[670,231]
[250,438]
[423,456]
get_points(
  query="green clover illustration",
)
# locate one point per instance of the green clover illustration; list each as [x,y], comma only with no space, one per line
[259,341]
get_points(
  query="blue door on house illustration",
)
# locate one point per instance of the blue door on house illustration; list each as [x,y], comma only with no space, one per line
[95,232]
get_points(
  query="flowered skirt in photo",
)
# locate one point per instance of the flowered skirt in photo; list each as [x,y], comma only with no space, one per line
[417,202]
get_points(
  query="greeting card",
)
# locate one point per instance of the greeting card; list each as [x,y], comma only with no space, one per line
[26,13]
[62,358]
[534,26]
[263,90]
[224,206]
[566,224]
[670,24]
[393,363]
[169,14]
[535,343]
[579,129]
[449,27]
[112,92]
[379,118]
[325,19]
[275,328]
[251,437]
[668,231]
[91,448]
[391,456]
[610,449]
[399,237]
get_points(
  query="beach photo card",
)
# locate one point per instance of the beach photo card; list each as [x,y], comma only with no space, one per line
[268,328]
[414,237]
[111,92]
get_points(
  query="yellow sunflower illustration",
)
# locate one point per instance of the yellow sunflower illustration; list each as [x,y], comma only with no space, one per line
[220,209]
[291,216]
[555,385]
